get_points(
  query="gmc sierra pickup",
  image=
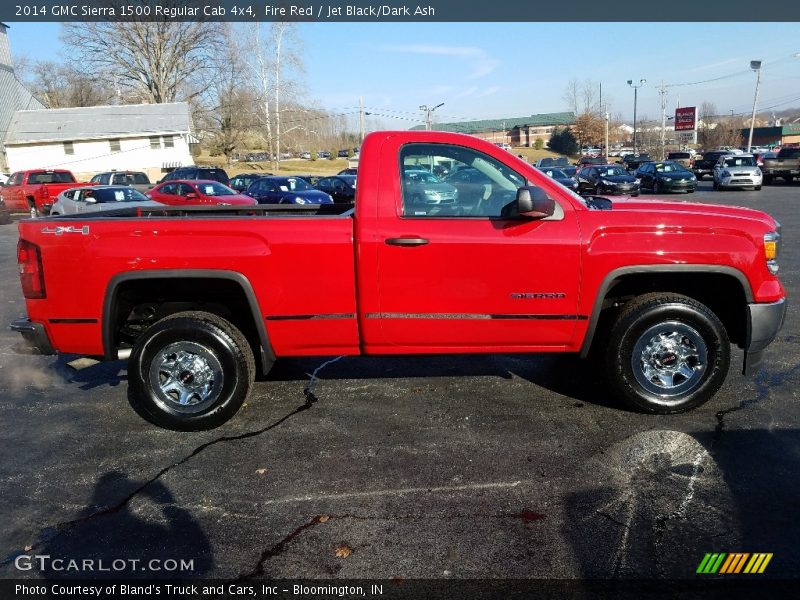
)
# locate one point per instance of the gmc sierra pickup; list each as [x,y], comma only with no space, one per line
[498,257]
[35,191]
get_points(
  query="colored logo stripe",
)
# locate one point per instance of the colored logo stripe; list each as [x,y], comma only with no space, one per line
[724,563]
[734,563]
[711,563]
[758,563]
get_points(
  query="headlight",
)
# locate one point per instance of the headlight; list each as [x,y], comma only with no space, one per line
[758,173]
[299,200]
[667,178]
[606,182]
[431,193]
[772,242]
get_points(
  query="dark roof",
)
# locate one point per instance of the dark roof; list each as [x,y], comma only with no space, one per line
[540,120]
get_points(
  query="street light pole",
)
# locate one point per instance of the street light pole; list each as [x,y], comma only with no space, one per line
[756,66]
[635,100]
[424,108]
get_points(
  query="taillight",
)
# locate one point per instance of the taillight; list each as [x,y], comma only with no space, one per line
[31,275]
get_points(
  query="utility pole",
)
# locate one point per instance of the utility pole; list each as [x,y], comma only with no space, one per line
[756,66]
[428,110]
[663,93]
[635,100]
[606,148]
[361,116]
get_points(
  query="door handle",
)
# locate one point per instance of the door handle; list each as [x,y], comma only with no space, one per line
[406,241]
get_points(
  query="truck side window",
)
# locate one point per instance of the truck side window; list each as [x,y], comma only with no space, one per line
[443,180]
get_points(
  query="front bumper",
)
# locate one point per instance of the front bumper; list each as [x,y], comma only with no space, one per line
[764,321]
[741,181]
[624,189]
[678,186]
[34,335]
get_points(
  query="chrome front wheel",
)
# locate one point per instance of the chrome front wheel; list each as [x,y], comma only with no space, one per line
[666,353]
[669,360]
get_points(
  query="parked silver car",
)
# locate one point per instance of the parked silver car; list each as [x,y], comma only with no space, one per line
[423,188]
[99,198]
[737,170]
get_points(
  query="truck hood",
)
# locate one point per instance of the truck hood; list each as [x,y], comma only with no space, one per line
[678,209]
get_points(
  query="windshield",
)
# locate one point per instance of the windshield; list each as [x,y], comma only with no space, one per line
[669,168]
[292,184]
[740,161]
[120,194]
[212,188]
[556,173]
[421,177]
[612,171]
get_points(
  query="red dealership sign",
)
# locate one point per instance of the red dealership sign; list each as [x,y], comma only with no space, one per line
[685,118]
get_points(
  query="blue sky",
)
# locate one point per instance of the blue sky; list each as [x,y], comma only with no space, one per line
[496,70]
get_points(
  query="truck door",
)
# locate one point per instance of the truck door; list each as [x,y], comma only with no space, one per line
[456,272]
[13,195]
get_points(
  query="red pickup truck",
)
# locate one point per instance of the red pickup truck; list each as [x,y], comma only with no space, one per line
[35,191]
[505,260]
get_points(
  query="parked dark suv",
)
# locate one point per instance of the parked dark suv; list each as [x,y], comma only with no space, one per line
[206,173]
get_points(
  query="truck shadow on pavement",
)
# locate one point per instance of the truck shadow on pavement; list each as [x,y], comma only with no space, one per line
[563,374]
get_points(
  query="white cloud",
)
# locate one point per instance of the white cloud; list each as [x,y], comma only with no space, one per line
[480,62]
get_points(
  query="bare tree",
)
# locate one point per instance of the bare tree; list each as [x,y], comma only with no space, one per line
[276,63]
[60,85]
[151,59]
[227,103]
[571,96]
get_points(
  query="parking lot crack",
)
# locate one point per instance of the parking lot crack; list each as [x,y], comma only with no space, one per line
[764,381]
[49,533]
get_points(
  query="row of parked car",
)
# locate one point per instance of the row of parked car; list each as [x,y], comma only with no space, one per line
[679,173]
[57,192]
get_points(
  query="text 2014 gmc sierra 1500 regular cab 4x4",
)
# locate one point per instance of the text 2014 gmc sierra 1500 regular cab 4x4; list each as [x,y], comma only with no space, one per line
[496,257]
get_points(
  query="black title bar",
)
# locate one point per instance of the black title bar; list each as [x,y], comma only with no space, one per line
[401,11]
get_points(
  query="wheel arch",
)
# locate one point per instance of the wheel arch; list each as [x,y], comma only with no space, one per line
[111,304]
[683,279]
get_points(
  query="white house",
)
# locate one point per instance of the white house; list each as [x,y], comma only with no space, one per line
[154,138]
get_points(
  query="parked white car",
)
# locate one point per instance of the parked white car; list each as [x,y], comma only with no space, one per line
[99,198]
[737,170]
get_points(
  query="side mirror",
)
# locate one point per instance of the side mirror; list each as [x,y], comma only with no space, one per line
[534,203]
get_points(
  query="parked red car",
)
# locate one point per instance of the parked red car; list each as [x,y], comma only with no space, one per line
[185,193]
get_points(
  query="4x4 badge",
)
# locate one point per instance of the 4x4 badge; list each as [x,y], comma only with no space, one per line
[60,230]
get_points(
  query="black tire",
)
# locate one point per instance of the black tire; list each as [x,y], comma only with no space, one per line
[687,346]
[215,387]
[757,188]
[656,187]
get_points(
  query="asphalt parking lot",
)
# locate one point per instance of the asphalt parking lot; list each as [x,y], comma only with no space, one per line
[427,467]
